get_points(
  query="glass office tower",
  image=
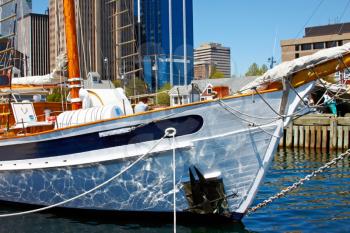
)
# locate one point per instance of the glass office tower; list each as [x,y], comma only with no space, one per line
[166,41]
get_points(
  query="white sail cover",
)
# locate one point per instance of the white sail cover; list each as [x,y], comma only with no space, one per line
[49,79]
[288,68]
[56,77]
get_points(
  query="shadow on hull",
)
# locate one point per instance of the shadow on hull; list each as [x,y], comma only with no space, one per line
[150,219]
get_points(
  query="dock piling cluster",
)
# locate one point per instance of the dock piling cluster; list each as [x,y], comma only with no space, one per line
[319,131]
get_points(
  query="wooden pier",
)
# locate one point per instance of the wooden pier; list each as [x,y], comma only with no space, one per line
[321,131]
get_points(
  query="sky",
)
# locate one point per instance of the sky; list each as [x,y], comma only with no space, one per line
[253,29]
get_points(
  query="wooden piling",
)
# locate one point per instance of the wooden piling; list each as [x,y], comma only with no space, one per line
[324,137]
[333,134]
[289,137]
[340,138]
[312,137]
[296,136]
[318,131]
[307,136]
[346,137]
[301,137]
[318,137]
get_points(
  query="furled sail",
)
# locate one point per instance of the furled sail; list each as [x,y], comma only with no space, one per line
[54,78]
[289,68]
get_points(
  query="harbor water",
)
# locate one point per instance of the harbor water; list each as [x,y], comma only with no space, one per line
[320,205]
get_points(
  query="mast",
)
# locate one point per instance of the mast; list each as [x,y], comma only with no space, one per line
[171,43]
[98,54]
[185,41]
[72,53]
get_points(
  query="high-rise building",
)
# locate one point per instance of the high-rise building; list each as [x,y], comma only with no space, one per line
[167,41]
[96,36]
[33,42]
[216,54]
[57,33]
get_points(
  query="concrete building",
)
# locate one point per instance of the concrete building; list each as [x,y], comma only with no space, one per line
[33,42]
[203,69]
[96,34]
[57,34]
[214,53]
[315,39]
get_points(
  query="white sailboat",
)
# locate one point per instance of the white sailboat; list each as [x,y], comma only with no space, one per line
[205,158]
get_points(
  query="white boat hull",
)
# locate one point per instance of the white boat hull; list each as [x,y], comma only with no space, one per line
[232,141]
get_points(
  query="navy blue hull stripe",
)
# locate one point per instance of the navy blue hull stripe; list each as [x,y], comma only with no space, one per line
[89,142]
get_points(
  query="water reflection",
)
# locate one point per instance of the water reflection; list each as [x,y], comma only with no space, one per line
[63,221]
[318,206]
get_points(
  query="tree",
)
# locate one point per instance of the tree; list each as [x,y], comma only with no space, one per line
[140,86]
[216,74]
[263,69]
[255,70]
[163,95]
[56,95]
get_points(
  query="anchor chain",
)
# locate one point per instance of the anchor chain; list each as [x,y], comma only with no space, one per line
[297,185]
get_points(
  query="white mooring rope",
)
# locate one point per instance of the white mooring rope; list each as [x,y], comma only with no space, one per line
[167,134]
[172,133]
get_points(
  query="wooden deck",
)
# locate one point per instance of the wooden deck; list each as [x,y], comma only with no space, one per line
[322,131]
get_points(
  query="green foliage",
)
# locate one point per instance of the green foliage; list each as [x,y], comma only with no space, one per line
[216,74]
[255,70]
[264,69]
[140,86]
[56,96]
[163,96]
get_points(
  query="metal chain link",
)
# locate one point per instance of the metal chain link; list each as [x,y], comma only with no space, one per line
[296,185]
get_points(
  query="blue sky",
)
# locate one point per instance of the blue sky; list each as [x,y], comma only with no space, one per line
[251,27]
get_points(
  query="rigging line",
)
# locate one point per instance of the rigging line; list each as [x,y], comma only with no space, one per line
[268,133]
[342,15]
[93,189]
[251,123]
[309,19]
[295,91]
[131,21]
[171,132]
[82,38]
[263,99]
[245,114]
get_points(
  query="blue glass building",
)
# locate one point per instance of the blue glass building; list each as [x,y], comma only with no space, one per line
[166,41]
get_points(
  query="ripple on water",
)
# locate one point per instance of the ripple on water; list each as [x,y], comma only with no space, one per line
[321,205]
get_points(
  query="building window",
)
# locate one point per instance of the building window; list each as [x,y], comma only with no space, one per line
[305,47]
[297,47]
[319,45]
[210,91]
[176,100]
[331,44]
[297,55]
[340,43]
